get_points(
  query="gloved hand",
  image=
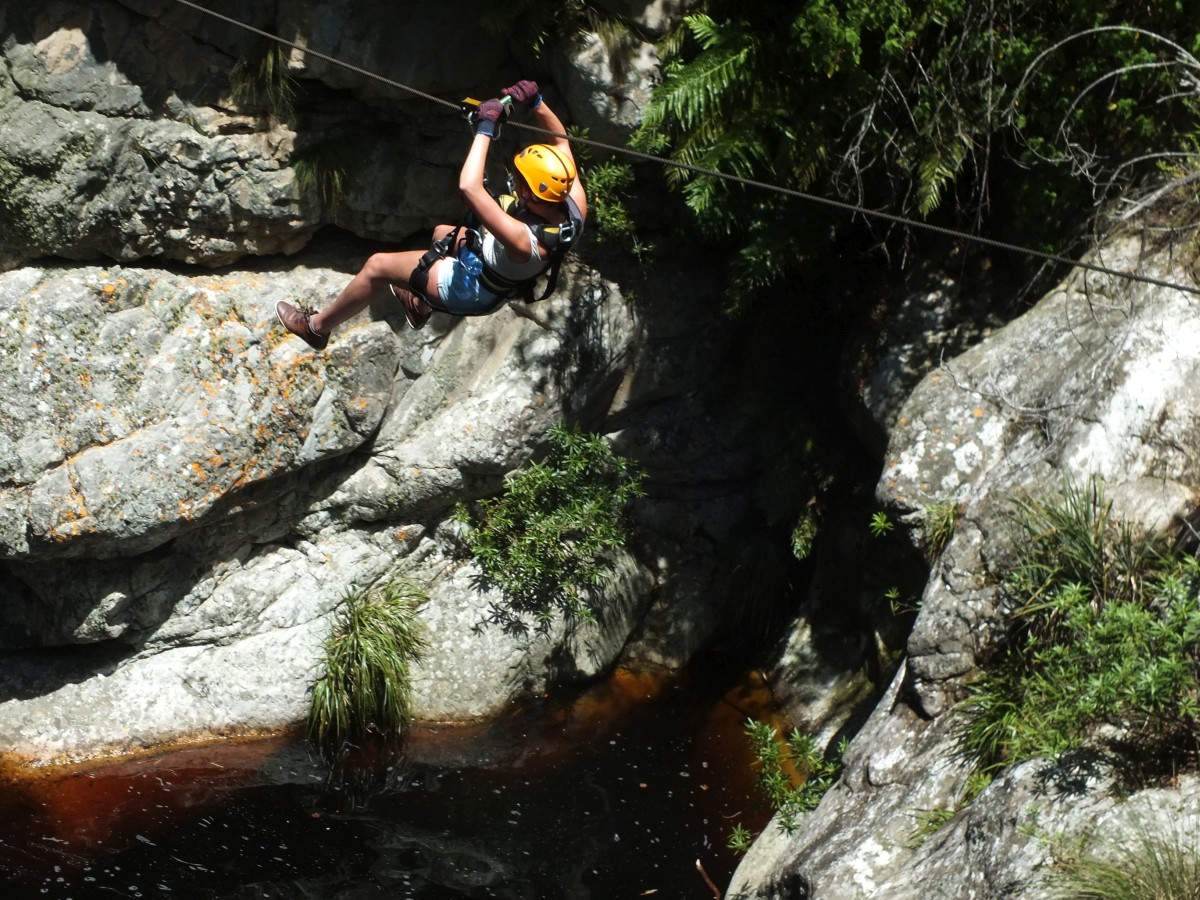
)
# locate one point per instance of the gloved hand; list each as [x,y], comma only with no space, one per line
[524,92]
[486,119]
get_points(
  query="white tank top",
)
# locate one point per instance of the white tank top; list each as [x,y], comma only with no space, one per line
[495,256]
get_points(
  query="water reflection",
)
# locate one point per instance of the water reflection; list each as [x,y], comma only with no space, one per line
[616,792]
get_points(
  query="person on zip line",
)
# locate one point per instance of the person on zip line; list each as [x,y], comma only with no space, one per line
[506,244]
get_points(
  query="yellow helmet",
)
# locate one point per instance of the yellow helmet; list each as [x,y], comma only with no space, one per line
[547,170]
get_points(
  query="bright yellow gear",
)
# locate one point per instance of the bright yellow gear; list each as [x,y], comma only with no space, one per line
[547,170]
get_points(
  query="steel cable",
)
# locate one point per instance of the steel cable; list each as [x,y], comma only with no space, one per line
[701,170]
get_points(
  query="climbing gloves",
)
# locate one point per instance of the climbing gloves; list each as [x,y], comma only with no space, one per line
[486,119]
[524,92]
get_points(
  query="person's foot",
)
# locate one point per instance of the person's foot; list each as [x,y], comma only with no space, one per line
[296,321]
[416,309]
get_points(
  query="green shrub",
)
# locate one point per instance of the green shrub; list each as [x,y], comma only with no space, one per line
[366,686]
[1105,633]
[546,541]
[776,763]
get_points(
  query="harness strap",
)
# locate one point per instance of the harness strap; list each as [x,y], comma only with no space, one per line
[418,279]
[497,283]
[558,239]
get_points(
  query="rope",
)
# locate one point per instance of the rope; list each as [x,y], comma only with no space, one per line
[318,54]
[737,179]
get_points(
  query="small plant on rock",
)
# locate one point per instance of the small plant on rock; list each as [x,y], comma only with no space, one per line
[940,521]
[366,685]
[321,172]
[793,775]
[262,81]
[880,524]
[929,823]
[547,541]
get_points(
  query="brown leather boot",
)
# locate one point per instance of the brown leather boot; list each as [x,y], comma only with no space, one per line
[295,320]
[416,309]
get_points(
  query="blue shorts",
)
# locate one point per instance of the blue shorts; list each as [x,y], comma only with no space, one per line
[472,300]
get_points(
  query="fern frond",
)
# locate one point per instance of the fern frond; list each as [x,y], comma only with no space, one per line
[704,29]
[700,92]
[937,170]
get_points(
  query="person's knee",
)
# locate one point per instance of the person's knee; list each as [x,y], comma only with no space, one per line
[375,267]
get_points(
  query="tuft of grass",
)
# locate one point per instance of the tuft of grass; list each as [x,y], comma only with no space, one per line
[366,686]
[262,82]
[929,823]
[1153,865]
[322,171]
[940,521]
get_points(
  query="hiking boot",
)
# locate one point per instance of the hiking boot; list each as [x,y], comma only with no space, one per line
[295,320]
[416,309]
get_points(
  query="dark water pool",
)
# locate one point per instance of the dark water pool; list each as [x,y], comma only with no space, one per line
[616,792]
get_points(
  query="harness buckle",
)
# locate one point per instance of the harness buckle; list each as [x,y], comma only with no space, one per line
[567,233]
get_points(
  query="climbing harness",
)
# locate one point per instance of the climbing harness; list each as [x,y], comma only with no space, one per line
[700,170]
[557,239]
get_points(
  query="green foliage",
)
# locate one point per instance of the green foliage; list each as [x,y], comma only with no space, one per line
[262,82]
[939,522]
[740,839]
[929,822]
[778,763]
[546,542]
[1106,633]
[880,524]
[899,604]
[804,532]
[607,184]
[792,474]
[916,107]
[1155,865]
[366,686]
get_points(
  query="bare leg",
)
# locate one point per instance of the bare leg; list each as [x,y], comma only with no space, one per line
[380,270]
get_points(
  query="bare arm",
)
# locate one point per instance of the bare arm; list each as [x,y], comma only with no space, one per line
[507,230]
[546,118]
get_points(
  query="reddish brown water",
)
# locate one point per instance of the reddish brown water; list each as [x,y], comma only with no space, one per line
[614,792]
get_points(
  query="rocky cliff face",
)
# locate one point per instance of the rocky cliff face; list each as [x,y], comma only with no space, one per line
[187,492]
[1099,378]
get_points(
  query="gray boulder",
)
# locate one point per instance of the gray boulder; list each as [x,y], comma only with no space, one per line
[189,493]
